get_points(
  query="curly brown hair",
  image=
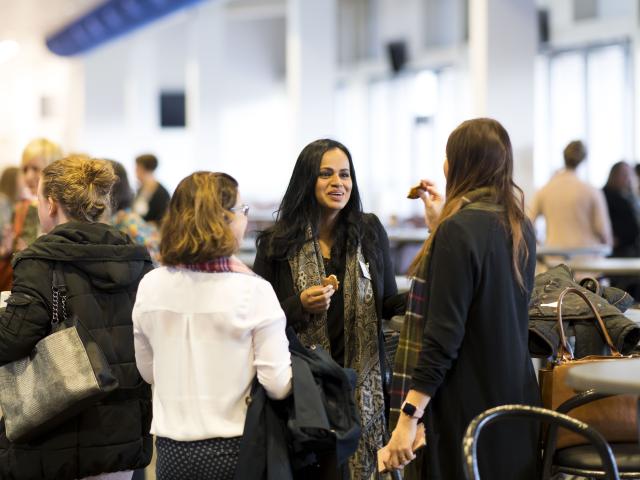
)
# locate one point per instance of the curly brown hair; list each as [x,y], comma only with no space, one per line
[81,185]
[196,227]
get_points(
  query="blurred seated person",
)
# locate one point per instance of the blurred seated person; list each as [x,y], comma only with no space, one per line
[624,210]
[128,221]
[152,199]
[575,212]
[622,201]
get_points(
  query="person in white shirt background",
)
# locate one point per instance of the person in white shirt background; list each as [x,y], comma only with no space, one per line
[204,327]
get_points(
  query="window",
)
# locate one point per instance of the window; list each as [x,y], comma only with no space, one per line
[396,129]
[584,94]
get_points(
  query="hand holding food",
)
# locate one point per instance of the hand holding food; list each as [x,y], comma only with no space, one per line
[331,280]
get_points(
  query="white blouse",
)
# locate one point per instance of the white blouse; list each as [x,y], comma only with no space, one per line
[200,338]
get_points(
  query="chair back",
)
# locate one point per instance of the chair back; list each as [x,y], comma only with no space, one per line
[470,440]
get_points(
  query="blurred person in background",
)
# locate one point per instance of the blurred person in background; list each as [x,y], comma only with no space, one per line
[10,189]
[128,221]
[575,212]
[36,156]
[621,194]
[152,199]
[321,230]
[25,226]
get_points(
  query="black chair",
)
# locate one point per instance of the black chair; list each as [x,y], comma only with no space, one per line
[470,440]
[583,460]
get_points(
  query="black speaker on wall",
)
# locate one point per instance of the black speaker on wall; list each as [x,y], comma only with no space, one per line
[543,26]
[397,51]
[172,109]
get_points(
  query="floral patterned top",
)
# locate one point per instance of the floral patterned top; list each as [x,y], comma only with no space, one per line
[141,232]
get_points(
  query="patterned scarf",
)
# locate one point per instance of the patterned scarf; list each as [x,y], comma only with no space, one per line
[410,342]
[360,343]
[220,265]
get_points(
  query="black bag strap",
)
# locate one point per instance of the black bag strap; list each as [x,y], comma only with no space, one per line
[59,295]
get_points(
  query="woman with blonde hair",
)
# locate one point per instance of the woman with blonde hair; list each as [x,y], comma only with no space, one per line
[101,268]
[474,280]
[205,325]
[35,157]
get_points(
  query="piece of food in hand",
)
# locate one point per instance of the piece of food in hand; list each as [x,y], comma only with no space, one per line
[415,192]
[331,280]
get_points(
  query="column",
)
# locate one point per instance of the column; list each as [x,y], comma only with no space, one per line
[502,50]
[311,64]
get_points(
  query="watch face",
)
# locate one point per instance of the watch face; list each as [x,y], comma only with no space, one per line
[409,409]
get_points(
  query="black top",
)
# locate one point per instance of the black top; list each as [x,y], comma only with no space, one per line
[388,301]
[474,353]
[158,204]
[335,314]
[102,269]
[624,223]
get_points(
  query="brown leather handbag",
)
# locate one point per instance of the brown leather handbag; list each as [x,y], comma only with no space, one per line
[614,417]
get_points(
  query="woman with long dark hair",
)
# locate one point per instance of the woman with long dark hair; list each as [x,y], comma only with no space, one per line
[477,268]
[320,231]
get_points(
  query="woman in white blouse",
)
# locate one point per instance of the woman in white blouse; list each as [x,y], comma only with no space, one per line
[204,327]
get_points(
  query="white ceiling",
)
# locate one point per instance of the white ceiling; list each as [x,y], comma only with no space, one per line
[27,20]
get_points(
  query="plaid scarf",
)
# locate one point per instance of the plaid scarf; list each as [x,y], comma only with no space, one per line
[220,265]
[409,347]
[410,342]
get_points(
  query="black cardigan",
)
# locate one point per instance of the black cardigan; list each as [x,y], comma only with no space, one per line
[102,269]
[474,354]
[388,301]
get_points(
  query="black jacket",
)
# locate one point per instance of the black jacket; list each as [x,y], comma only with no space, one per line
[320,416]
[578,320]
[474,349]
[102,269]
[388,301]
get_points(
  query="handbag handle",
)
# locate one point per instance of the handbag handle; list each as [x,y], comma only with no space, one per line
[59,295]
[563,351]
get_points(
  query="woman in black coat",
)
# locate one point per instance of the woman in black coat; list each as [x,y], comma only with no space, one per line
[101,269]
[321,231]
[478,266]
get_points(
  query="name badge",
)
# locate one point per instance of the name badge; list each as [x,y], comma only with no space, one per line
[365,270]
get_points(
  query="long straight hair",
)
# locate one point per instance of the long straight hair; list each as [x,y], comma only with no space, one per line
[300,209]
[479,154]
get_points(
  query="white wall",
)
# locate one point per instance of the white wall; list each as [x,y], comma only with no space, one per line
[25,80]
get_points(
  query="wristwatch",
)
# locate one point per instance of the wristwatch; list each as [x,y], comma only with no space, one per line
[411,410]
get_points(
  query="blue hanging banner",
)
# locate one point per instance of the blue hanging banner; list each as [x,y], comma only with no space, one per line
[110,20]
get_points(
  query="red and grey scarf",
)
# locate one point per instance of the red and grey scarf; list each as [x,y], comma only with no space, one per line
[220,265]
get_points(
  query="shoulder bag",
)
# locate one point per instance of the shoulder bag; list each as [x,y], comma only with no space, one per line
[614,417]
[65,373]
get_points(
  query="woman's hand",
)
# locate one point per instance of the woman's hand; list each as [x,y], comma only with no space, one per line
[400,447]
[433,203]
[317,299]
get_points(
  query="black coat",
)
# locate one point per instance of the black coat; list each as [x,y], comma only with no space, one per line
[388,301]
[474,354]
[319,416]
[102,269]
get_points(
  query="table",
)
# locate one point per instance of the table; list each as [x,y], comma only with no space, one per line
[606,266]
[551,256]
[607,376]
[595,251]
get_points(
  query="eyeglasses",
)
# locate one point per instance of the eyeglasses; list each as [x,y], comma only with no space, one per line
[244,209]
